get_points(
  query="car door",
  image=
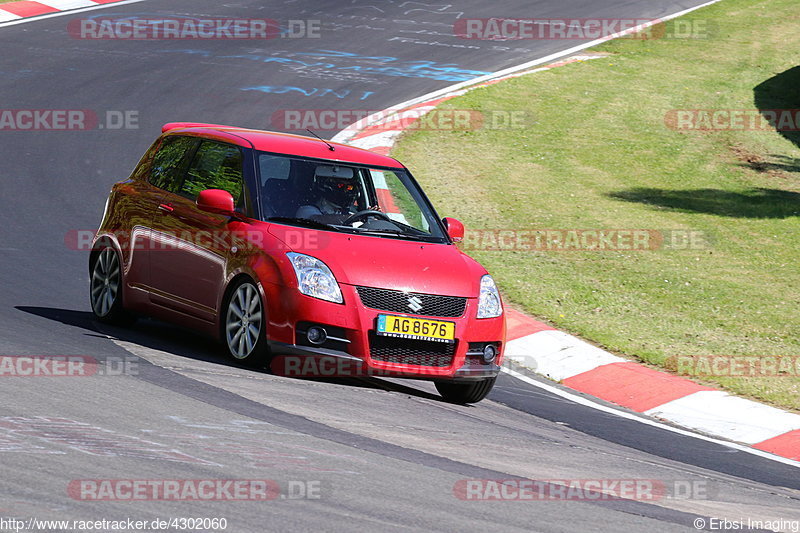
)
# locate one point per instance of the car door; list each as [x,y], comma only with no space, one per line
[155,173]
[188,273]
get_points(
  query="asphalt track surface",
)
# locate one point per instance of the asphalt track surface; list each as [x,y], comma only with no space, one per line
[384,455]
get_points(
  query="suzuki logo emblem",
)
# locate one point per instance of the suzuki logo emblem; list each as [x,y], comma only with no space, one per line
[414,303]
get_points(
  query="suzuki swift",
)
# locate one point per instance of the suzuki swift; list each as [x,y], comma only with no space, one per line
[283,246]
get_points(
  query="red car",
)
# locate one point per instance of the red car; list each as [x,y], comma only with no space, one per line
[290,248]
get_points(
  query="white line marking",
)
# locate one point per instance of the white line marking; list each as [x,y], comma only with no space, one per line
[71,12]
[631,416]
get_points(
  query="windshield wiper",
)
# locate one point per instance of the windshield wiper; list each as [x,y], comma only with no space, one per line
[306,222]
[397,233]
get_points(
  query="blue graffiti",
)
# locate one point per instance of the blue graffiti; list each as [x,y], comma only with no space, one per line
[386,65]
[310,91]
[339,53]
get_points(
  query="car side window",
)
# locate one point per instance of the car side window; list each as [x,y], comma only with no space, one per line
[214,166]
[169,163]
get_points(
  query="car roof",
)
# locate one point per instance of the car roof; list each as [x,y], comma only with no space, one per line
[283,143]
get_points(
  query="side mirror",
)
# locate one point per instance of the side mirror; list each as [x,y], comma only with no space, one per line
[455,229]
[216,201]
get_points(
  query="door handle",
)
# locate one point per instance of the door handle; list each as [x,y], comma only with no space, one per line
[167,208]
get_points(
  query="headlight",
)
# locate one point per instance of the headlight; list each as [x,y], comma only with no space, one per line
[314,278]
[489,305]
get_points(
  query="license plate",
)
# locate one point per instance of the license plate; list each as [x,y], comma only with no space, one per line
[407,327]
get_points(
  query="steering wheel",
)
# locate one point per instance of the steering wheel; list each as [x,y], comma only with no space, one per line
[366,213]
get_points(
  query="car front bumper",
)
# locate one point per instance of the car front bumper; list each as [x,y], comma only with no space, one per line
[353,325]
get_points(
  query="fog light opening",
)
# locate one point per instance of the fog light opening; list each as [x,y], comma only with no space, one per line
[316,335]
[489,353]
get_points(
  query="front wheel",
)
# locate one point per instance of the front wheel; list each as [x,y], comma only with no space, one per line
[244,330]
[465,392]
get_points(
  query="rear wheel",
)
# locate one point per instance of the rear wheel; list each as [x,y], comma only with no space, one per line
[465,392]
[244,330]
[106,289]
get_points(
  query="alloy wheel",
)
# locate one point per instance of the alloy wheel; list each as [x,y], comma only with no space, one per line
[243,321]
[105,282]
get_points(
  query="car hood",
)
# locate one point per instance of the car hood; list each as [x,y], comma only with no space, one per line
[388,263]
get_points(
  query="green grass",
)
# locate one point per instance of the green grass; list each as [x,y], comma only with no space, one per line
[600,156]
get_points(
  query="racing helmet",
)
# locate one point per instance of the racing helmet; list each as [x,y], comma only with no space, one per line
[336,184]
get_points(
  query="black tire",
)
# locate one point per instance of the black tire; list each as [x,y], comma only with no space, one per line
[242,311]
[105,288]
[465,392]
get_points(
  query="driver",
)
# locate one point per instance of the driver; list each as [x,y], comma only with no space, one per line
[332,196]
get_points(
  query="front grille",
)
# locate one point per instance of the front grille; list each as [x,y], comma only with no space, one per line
[410,351]
[411,302]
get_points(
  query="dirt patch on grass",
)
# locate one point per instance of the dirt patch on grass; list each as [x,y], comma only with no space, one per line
[785,169]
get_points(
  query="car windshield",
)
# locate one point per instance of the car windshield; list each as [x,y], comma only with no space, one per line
[344,197]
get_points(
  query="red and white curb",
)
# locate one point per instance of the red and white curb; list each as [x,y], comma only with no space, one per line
[12,11]
[589,369]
